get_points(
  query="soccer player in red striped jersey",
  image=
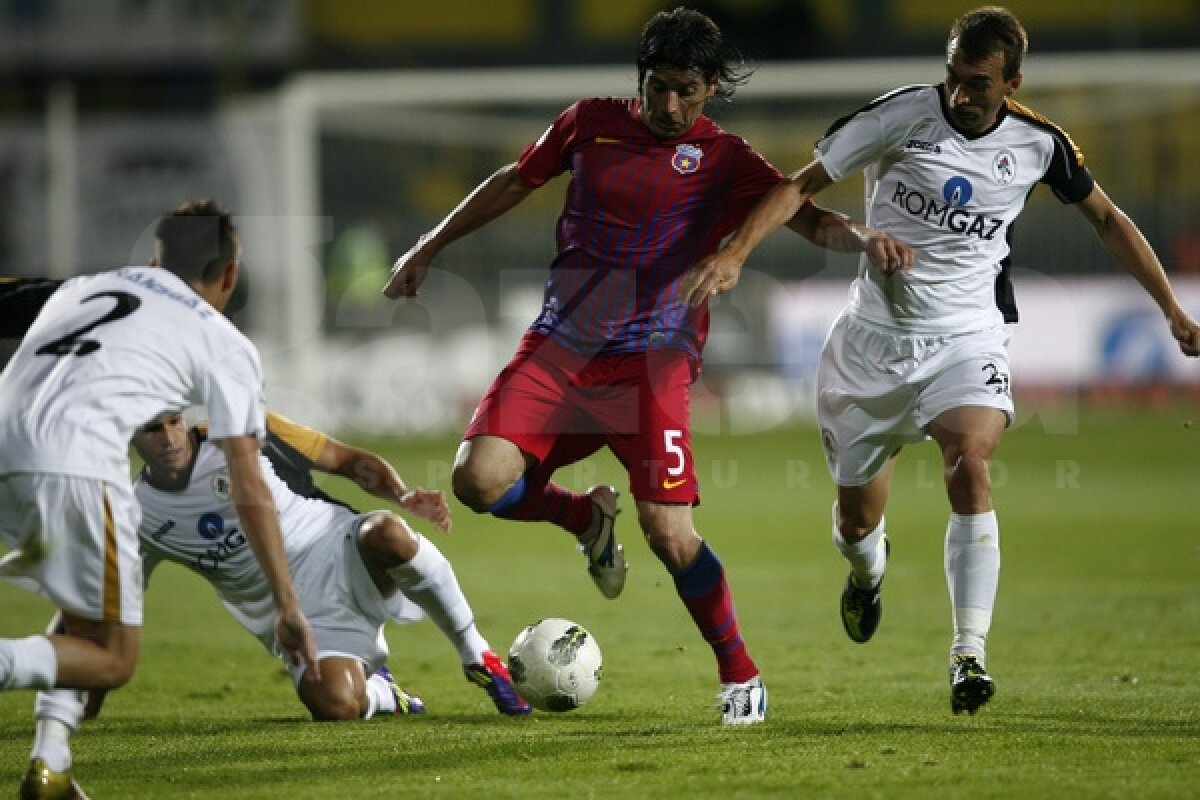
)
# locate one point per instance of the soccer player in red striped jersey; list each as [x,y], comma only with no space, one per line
[655,186]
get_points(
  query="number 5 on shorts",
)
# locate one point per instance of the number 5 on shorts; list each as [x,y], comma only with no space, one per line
[671,443]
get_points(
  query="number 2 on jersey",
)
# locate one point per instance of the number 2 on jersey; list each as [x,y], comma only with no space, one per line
[74,343]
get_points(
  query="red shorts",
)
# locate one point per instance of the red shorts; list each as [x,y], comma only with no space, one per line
[560,407]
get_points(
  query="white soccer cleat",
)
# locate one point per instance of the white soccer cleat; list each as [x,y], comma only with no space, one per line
[606,558]
[743,703]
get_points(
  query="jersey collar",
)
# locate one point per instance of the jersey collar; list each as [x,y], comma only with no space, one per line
[1000,115]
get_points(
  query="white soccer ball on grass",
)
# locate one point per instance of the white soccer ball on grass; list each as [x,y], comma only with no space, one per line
[555,664]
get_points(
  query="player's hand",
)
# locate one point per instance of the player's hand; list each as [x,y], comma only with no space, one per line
[295,637]
[429,504]
[408,273]
[887,254]
[1186,332]
[716,274]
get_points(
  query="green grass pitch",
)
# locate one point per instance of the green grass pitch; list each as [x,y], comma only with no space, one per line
[1095,649]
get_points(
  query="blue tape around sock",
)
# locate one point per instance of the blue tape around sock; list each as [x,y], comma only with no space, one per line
[701,576]
[509,499]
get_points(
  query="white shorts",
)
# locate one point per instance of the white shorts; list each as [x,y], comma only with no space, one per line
[73,540]
[878,390]
[344,606]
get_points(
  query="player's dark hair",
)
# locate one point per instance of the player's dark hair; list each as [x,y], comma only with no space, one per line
[687,39]
[196,240]
[984,31]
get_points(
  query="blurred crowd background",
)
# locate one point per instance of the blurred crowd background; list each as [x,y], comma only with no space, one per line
[342,129]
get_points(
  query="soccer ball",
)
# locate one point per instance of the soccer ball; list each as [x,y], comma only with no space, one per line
[555,664]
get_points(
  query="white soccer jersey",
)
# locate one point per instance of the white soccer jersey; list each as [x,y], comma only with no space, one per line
[108,353]
[952,197]
[198,528]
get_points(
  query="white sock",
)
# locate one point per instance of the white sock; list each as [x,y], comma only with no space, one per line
[867,557]
[972,572]
[29,663]
[429,581]
[58,713]
[380,699]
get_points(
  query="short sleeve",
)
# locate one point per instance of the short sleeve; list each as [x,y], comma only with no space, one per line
[233,394]
[754,176]
[1066,176]
[852,143]
[549,156]
[306,441]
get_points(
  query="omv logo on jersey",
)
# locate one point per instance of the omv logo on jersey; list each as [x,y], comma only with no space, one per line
[957,191]
[211,526]
[225,544]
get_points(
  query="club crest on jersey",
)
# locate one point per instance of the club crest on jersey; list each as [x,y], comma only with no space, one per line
[1004,168]
[220,486]
[687,158]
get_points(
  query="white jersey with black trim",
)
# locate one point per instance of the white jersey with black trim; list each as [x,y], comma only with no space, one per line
[198,528]
[109,352]
[952,197]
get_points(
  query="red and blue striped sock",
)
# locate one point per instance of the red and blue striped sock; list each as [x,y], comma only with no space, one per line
[546,502]
[705,593]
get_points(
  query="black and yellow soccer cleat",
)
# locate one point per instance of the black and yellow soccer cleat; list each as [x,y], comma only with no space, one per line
[970,685]
[863,608]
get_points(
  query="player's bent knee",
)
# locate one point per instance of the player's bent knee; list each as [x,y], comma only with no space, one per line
[334,709]
[855,524]
[970,468]
[672,539]
[387,535]
[114,671]
[969,483]
[100,655]
[473,490]
[331,699]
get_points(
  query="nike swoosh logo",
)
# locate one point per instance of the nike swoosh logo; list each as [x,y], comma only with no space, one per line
[669,484]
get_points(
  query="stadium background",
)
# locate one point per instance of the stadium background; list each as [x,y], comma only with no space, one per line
[340,131]
[112,111]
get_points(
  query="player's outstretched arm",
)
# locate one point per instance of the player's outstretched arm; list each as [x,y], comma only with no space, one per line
[499,193]
[1122,237]
[835,231]
[376,476]
[260,522]
[721,271]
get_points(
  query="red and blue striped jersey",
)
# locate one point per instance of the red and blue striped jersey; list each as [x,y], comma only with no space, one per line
[639,212]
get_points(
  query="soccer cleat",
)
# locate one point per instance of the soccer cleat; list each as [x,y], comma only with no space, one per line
[863,608]
[970,685]
[493,676]
[606,558]
[42,783]
[743,703]
[405,703]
